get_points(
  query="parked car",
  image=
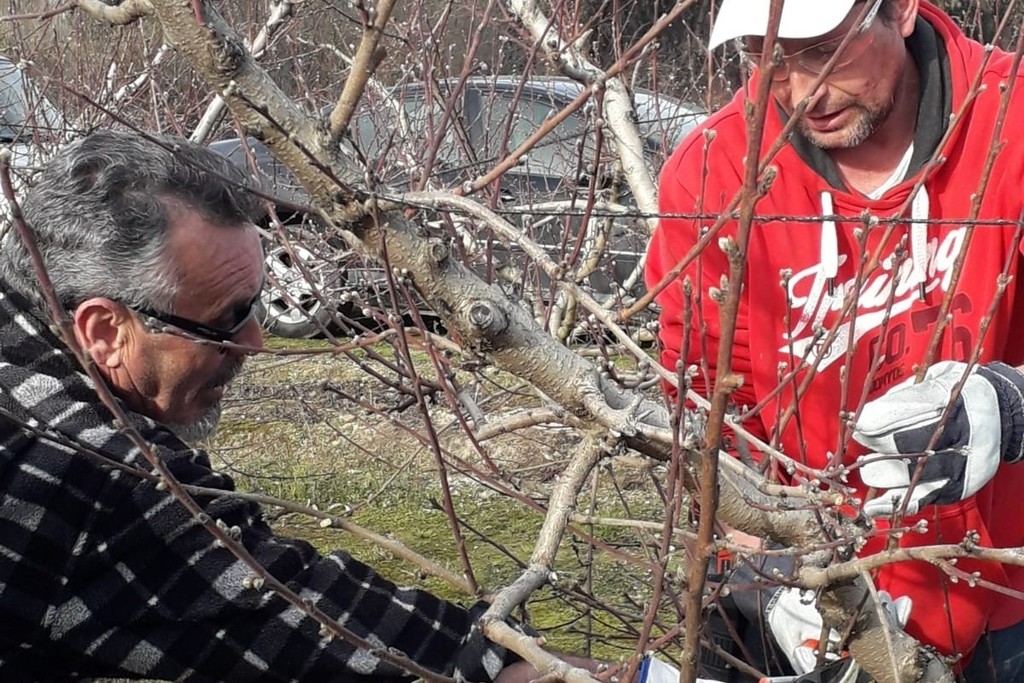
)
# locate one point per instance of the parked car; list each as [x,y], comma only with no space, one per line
[30,127]
[393,133]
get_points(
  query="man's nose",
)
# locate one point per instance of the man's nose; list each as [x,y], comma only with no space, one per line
[250,336]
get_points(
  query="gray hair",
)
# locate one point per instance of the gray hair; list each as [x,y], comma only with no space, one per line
[99,212]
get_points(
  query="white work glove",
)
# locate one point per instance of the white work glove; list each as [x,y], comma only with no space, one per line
[985,426]
[795,623]
[653,670]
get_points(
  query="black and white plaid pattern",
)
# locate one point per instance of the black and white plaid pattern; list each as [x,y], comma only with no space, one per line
[103,574]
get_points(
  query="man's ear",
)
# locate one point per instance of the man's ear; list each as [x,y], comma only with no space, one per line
[906,15]
[103,328]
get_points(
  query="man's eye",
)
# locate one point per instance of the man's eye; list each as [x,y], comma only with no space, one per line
[228,320]
[235,319]
[824,51]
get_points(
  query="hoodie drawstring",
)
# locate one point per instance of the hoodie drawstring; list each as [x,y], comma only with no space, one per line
[829,249]
[829,243]
[919,209]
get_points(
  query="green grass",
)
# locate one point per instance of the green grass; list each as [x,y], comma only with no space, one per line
[412,519]
[394,489]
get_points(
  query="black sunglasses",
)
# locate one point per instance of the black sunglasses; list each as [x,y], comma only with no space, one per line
[197,329]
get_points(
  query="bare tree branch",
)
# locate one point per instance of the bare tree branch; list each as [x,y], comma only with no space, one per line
[123,13]
[279,16]
[364,63]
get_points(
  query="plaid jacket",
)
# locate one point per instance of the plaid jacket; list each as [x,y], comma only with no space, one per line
[102,574]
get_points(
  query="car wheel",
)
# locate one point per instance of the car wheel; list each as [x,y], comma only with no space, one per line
[289,305]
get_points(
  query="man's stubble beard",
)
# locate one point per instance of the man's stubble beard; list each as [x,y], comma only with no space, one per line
[867,121]
[205,427]
[199,430]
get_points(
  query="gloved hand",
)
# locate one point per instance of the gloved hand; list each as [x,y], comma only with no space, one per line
[653,670]
[985,426]
[796,625]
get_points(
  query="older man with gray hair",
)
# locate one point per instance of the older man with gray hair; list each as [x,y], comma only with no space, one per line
[152,251]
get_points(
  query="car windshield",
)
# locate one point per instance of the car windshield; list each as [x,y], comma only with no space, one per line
[508,117]
[24,113]
[665,120]
[394,127]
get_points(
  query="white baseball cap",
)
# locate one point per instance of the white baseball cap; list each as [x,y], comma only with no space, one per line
[800,19]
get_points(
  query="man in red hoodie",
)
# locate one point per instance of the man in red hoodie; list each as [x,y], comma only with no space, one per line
[887,181]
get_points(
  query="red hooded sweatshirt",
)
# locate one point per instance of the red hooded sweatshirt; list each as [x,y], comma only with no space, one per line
[778,317]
